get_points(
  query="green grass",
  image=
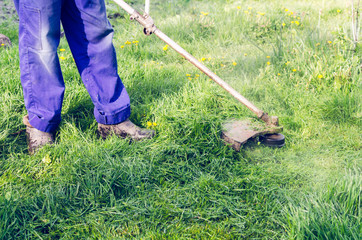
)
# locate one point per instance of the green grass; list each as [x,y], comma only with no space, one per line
[185,183]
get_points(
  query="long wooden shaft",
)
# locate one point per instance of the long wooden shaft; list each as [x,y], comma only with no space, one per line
[141,19]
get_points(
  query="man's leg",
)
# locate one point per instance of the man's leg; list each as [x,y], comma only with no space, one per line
[41,78]
[89,35]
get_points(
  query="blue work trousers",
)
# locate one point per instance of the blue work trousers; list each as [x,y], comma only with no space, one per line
[89,35]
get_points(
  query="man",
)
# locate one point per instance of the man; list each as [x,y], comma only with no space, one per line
[89,35]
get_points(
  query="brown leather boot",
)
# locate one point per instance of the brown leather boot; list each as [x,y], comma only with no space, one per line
[125,129]
[35,138]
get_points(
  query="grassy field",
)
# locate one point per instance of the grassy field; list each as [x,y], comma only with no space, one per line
[293,59]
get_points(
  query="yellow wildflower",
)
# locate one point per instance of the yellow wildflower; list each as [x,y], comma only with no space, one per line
[294,70]
[2,44]
[62,58]
[204,13]
[279,74]
[249,8]
[203,59]
[287,63]
[268,63]
[283,24]
[234,63]
[165,47]
[267,56]
[338,10]
[222,65]
[197,75]
[209,59]
[149,124]
[189,78]
[122,46]
[286,10]
[238,7]
[292,22]
[46,159]
[246,12]
[154,124]
[320,76]
[62,49]
[128,43]
[135,41]
[261,13]
[245,54]
[329,42]
[297,23]
[188,75]
[317,44]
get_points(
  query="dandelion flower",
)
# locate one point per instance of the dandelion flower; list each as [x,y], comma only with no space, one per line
[245,54]
[62,49]
[294,70]
[238,7]
[189,78]
[209,59]
[197,75]
[297,23]
[267,56]
[268,63]
[329,42]
[2,44]
[203,59]
[283,24]
[338,10]
[292,22]
[222,65]
[135,41]
[128,43]
[234,64]
[122,46]
[261,13]
[279,74]
[165,47]
[46,159]
[246,12]
[149,124]
[320,76]
[286,10]
[188,75]
[249,8]
[154,124]
[287,63]
[317,44]
[62,58]
[204,13]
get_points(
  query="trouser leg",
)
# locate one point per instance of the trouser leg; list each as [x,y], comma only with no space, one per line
[41,78]
[89,35]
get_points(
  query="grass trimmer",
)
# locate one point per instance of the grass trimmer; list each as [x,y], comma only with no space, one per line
[235,132]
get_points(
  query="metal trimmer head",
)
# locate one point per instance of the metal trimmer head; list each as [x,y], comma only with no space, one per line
[237,132]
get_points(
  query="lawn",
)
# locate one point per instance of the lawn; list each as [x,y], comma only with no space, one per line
[293,59]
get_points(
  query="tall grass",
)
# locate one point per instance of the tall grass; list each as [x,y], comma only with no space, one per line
[330,213]
[185,183]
